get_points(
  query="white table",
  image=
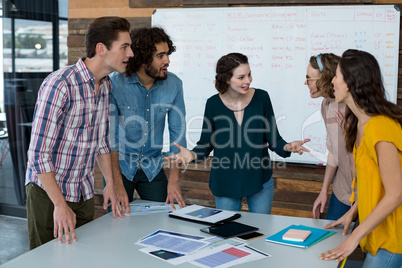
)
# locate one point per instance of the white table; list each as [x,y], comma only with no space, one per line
[108,242]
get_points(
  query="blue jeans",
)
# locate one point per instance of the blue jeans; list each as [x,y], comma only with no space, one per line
[336,208]
[383,259]
[261,202]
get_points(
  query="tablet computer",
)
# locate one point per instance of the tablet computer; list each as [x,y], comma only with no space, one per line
[229,229]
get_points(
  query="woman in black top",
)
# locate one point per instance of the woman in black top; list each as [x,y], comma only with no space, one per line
[239,125]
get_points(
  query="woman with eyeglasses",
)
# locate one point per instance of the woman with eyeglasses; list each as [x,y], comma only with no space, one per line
[239,126]
[339,170]
[373,128]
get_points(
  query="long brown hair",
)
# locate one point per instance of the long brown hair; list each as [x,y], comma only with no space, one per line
[329,63]
[362,75]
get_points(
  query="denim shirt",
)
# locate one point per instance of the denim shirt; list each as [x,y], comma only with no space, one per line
[138,119]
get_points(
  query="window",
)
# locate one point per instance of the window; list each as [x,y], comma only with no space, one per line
[33,44]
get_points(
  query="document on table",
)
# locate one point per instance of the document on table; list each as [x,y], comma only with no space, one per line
[149,208]
[203,214]
[173,243]
[217,241]
[212,255]
[176,248]
[227,256]
[160,231]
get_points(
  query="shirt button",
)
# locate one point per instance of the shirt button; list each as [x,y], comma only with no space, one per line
[147,110]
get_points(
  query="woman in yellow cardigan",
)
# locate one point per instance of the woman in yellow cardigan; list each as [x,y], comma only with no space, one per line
[374,134]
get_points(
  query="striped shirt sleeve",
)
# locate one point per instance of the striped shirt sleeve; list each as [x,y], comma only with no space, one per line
[48,117]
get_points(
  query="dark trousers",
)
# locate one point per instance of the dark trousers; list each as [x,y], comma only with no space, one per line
[336,208]
[40,215]
[156,190]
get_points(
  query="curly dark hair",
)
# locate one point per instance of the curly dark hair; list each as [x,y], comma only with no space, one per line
[104,30]
[329,63]
[362,76]
[143,46]
[224,69]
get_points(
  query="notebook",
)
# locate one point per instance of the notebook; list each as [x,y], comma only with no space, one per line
[296,235]
[315,236]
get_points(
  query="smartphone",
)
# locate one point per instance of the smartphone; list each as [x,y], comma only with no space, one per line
[249,236]
[166,255]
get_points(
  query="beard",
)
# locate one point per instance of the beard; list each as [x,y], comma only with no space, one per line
[154,73]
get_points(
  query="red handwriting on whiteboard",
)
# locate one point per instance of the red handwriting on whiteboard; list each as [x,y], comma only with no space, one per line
[246,38]
[377,45]
[318,14]
[235,15]
[390,14]
[365,14]
[236,29]
[317,35]
[257,15]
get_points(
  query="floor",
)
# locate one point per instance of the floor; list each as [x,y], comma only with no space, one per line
[13,230]
[7,194]
[13,238]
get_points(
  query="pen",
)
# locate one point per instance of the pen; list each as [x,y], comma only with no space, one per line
[253,249]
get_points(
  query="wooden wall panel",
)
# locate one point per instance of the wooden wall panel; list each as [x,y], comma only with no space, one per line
[387,2]
[104,11]
[155,3]
[79,26]
[94,4]
[270,2]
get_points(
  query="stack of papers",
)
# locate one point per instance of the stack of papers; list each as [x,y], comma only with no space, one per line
[176,248]
[316,236]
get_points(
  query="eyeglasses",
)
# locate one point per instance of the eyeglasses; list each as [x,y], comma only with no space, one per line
[308,79]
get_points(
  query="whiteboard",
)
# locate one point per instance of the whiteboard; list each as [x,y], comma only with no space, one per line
[278,42]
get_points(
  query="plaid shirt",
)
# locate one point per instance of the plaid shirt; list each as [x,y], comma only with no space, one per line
[70,128]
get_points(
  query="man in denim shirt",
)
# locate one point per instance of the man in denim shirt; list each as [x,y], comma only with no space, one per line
[141,99]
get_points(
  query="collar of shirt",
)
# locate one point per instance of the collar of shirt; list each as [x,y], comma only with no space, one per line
[86,74]
[134,80]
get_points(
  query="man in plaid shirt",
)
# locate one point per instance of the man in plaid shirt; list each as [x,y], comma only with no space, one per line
[70,132]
